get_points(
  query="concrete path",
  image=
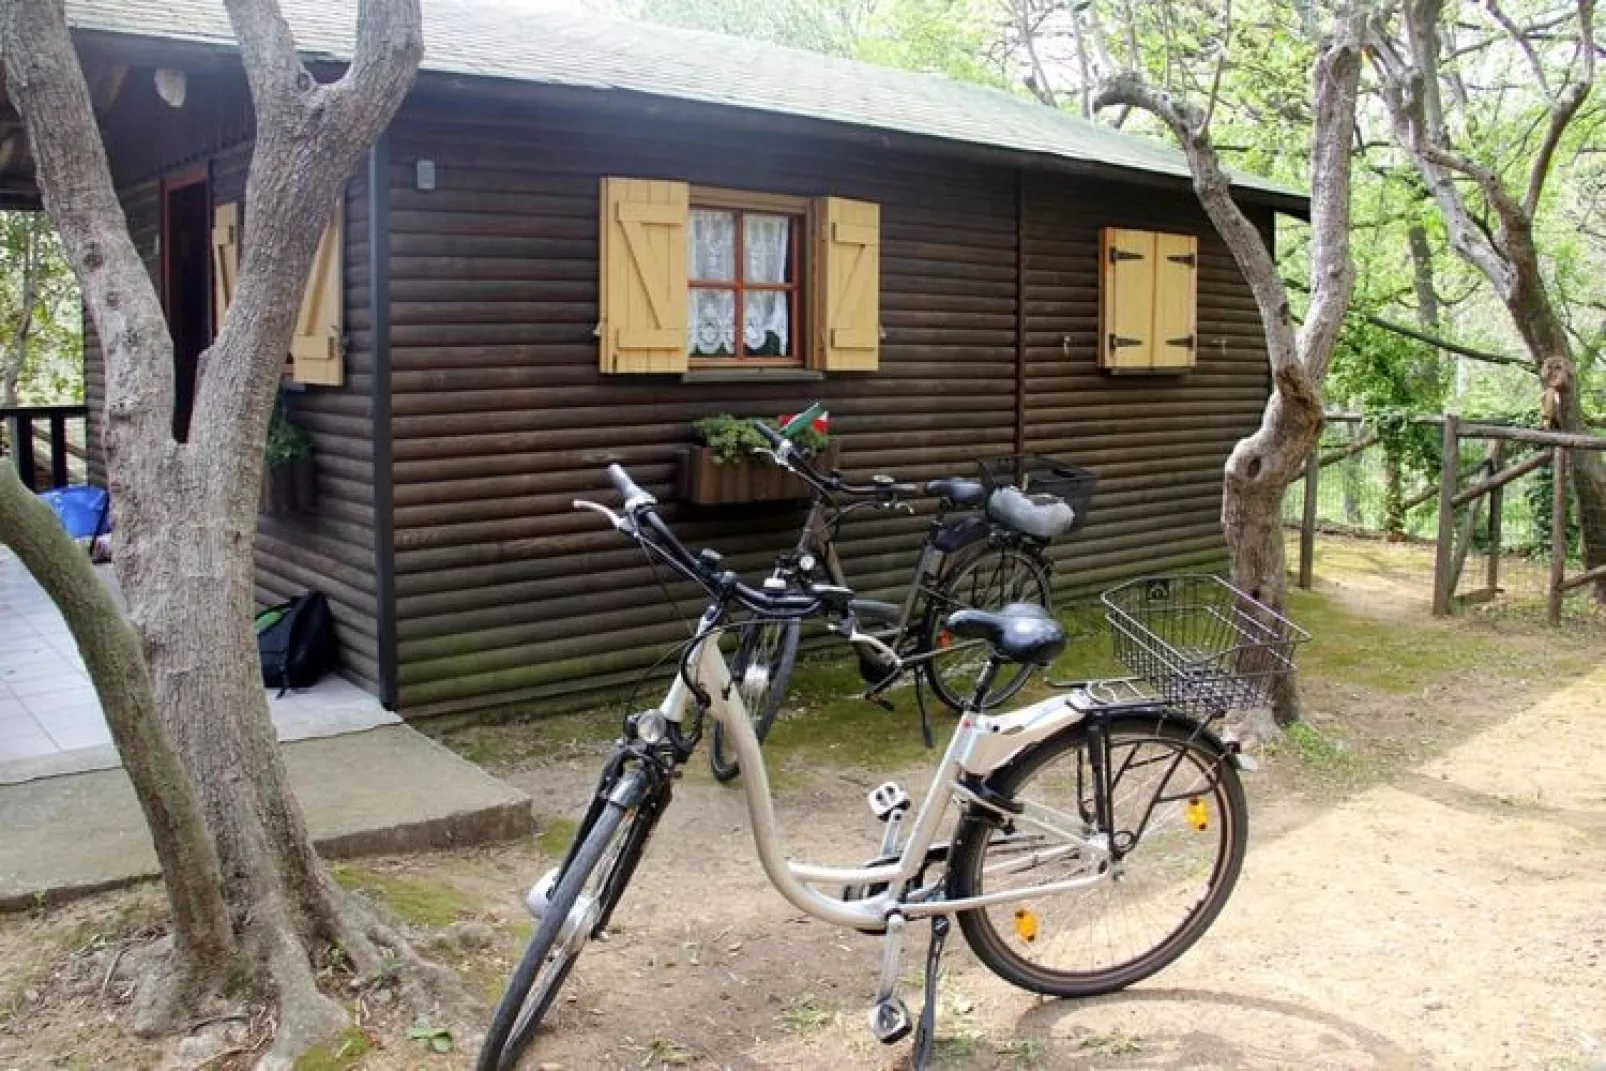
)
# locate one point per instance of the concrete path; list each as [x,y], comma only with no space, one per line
[389,789]
[50,718]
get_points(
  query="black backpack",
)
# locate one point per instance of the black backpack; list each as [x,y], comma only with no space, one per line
[296,642]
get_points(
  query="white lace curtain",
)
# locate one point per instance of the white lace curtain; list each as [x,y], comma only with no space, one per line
[711,255]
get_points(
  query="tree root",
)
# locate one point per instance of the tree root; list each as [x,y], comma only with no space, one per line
[380,952]
[306,1016]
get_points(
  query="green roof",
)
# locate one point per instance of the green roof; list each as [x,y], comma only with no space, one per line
[506,40]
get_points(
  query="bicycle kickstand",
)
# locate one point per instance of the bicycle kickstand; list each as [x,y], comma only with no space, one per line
[926,1035]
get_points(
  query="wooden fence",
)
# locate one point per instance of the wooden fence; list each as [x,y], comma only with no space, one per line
[1471,502]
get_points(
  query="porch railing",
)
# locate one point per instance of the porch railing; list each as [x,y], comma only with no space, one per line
[47,444]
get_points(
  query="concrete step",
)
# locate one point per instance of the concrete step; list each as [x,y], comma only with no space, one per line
[388,789]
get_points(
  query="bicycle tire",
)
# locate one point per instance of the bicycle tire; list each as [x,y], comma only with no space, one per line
[987,578]
[1143,872]
[542,969]
[762,671]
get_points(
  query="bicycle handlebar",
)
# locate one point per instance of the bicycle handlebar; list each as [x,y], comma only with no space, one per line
[627,488]
[641,522]
[785,454]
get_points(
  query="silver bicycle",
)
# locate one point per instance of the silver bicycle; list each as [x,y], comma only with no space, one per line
[1099,832]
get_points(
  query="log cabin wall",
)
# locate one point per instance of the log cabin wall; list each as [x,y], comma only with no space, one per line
[506,596]
[1157,442]
[332,550]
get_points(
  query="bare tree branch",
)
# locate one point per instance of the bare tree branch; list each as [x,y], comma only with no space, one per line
[1409,91]
[1221,62]
[1564,108]
[1521,39]
[1214,188]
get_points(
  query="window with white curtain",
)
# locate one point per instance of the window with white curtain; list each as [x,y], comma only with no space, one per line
[744,266]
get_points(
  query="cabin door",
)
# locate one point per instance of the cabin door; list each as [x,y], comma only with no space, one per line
[186,284]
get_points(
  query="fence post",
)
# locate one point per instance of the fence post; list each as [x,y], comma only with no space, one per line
[1307,524]
[1496,501]
[1558,530]
[1449,473]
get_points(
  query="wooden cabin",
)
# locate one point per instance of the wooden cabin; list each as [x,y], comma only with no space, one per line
[506,303]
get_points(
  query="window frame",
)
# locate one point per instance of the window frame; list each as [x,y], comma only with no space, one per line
[800,211]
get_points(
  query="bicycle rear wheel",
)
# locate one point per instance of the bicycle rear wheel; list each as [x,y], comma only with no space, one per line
[1178,811]
[587,889]
[990,578]
[762,671]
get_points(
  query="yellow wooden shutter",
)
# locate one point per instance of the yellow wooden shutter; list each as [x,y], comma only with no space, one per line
[317,351]
[848,301]
[225,260]
[1176,274]
[642,295]
[1126,313]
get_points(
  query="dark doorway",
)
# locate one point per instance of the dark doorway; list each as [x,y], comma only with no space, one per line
[186,285]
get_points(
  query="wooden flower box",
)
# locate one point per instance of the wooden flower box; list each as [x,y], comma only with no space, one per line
[703,482]
[290,489]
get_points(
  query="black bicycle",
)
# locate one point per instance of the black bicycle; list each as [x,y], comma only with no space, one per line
[986,548]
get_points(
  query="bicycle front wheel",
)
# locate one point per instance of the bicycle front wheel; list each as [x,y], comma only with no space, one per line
[762,670]
[989,579]
[1178,816]
[584,896]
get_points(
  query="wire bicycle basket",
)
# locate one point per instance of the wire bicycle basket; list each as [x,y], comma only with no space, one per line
[1203,646]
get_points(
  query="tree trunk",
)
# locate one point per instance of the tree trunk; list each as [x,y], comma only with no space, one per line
[1393,492]
[185,513]
[202,931]
[1257,476]
[1542,332]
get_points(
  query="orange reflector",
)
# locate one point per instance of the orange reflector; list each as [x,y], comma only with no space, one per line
[945,639]
[1026,924]
[1198,814]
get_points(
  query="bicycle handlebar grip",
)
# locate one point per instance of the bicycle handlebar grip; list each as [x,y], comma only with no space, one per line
[624,484]
[775,438]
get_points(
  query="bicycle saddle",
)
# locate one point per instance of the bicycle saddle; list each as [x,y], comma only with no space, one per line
[959,492]
[1020,632]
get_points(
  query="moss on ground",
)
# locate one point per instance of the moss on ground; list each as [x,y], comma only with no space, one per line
[339,1053]
[557,833]
[413,900]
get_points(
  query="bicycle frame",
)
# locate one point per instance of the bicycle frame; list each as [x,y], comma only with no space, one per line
[981,743]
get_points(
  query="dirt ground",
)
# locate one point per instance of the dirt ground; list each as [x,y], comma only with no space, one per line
[1426,887]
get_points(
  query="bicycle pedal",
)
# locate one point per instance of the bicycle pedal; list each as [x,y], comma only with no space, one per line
[889,1021]
[887,799]
[880,701]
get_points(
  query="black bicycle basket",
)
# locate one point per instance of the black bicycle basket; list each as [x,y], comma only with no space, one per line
[1203,646]
[1035,474]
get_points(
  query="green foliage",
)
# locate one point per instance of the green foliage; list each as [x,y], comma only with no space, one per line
[434,1038]
[286,442]
[734,439]
[949,37]
[49,367]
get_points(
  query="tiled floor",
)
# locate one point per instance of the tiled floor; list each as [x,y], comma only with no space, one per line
[48,708]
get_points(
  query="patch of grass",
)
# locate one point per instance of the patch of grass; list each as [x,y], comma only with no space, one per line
[804,1015]
[955,1051]
[508,745]
[1115,1043]
[557,834]
[1317,749]
[662,1052]
[1397,657]
[344,1050]
[413,900]
[1023,1054]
